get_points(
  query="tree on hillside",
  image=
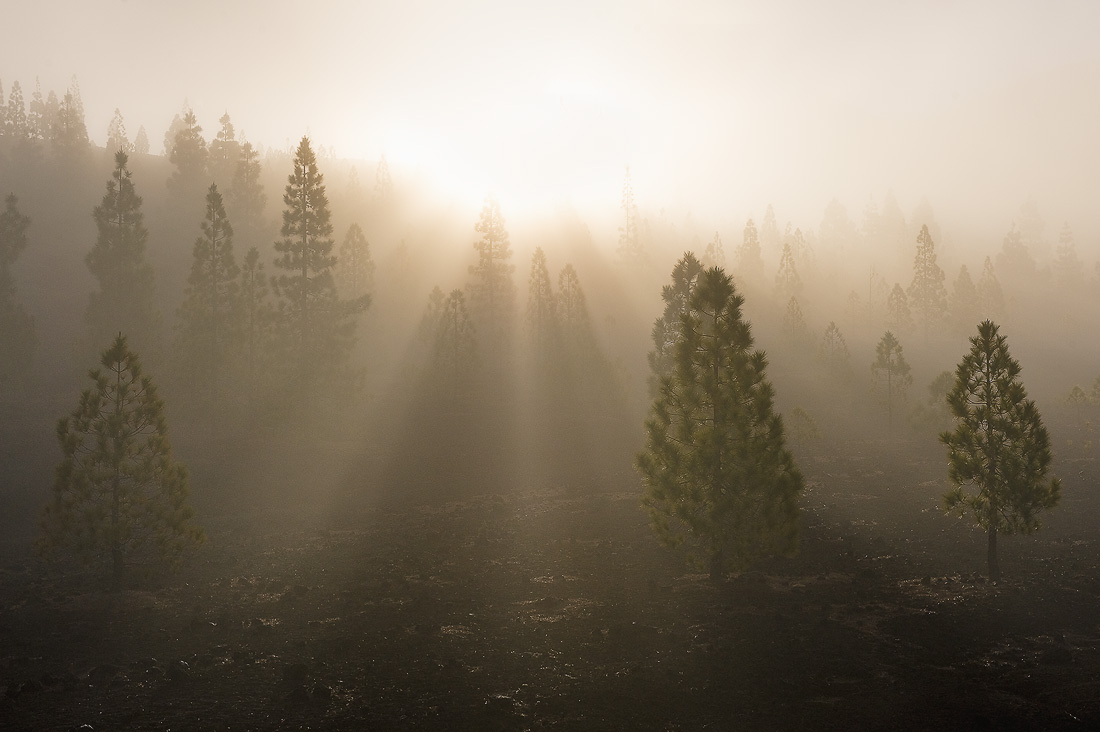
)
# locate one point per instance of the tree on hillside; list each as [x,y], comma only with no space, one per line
[354,264]
[491,292]
[891,373]
[69,136]
[209,317]
[126,300]
[1015,259]
[15,122]
[16,326]
[630,233]
[119,494]
[316,329]
[36,114]
[246,197]
[749,261]
[714,255]
[141,141]
[999,451]
[189,155]
[787,282]
[666,329]
[224,152]
[116,135]
[719,479]
[794,324]
[927,294]
[542,325]
[898,316]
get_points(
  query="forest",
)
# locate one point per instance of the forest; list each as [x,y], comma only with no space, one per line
[288,440]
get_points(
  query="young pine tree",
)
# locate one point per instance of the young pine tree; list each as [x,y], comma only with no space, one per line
[719,478]
[891,372]
[246,196]
[999,452]
[119,495]
[666,329]
[126,300]
[209,317]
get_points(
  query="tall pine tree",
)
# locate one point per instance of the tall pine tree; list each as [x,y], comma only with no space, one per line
[492,292]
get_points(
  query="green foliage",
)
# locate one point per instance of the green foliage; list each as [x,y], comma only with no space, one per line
[999,451]
[719,480]
[210,316]
[666,329]
[119,495]
[891,372]
[126,301]
[491,291]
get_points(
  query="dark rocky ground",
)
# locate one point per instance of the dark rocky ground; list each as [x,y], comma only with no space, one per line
[552,606]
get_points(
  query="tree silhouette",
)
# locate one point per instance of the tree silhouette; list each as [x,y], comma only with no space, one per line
[927,294]
[126,301]
[719,478]
[17,332]
[455,342]
[749,261]
[891,371]
[714,255]
[224,152]
[141,141]
[491,291]
[787,282]
[965,304]
[542,323]
[990,293]
[15,122]
[116,135]
[354,265]
[834,353]
[119,495]
[898,315]
[189,155]
[69,135]
[999,452]
[794,324]
[246,196]
[256,313]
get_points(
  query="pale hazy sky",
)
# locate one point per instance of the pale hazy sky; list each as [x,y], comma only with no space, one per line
[709,102]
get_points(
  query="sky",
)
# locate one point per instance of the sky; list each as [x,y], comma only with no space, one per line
[713,105]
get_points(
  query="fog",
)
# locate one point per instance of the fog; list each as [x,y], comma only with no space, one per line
[416,441]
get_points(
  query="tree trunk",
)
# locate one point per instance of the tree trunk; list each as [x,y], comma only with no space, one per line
[991,556]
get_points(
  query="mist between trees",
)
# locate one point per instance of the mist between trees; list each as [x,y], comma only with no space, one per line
[315,324]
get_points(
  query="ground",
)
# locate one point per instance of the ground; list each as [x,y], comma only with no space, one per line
[553,606]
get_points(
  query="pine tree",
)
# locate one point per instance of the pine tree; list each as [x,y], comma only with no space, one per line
[256,313]
[965,303]
[189,155]
[572,312]
[36,114]
[383,183]
[246,196]
[455,342]
[630,240]
[17,333]
[1015,260]
[927,294]
[429,323]
[666,329]
[3,113]
[719,478]
[834,353]
[116,135]
[794,324]
[175,127]
[787,282]
[50,115]
[492,291]
[354,265]
[542,325]
[999,447]
[316,329]
[16,118]
[769,231]
[209,317]
[119,494]
[714,255]
[989,292]
[141,142]
[891,371]
[70,135]
[126,301]
[749,261]
[224,152]
[898,315]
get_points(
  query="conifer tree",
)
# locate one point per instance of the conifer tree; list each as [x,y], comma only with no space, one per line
[787,282]
[256,313]
[175,127]
[209,317]
[666,329]
[36,114]
[1068,267]
[749,261]
[990,293]
[572,312]
[354,265]
[834,353]
[316,329]
[17,334]
[69,133]
[491,290]
[898,315]
[3,112]
[224,152]
[246,196]
[189,155]
[769,230]
[141,141]
[116,135]
[455,342]
[965,303]
[794,324]
[119,494]
[927,294]
[891,372]
[50,115]
[999,451]
[16,118]
[719,479]
[383,183]
[429,323]
[714,255]
[541,316]
[630,241]
[1015,260]
[126,300]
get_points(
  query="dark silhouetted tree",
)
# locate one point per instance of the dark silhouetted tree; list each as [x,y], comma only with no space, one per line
[17,334]
[891,373]
[209,318]
[15,122]
[719,479]
[491,291]
[354,264]
[927,294]
[119,495]
[69,135]
[666,329]
[36,114]
[126,300]
[999,451]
